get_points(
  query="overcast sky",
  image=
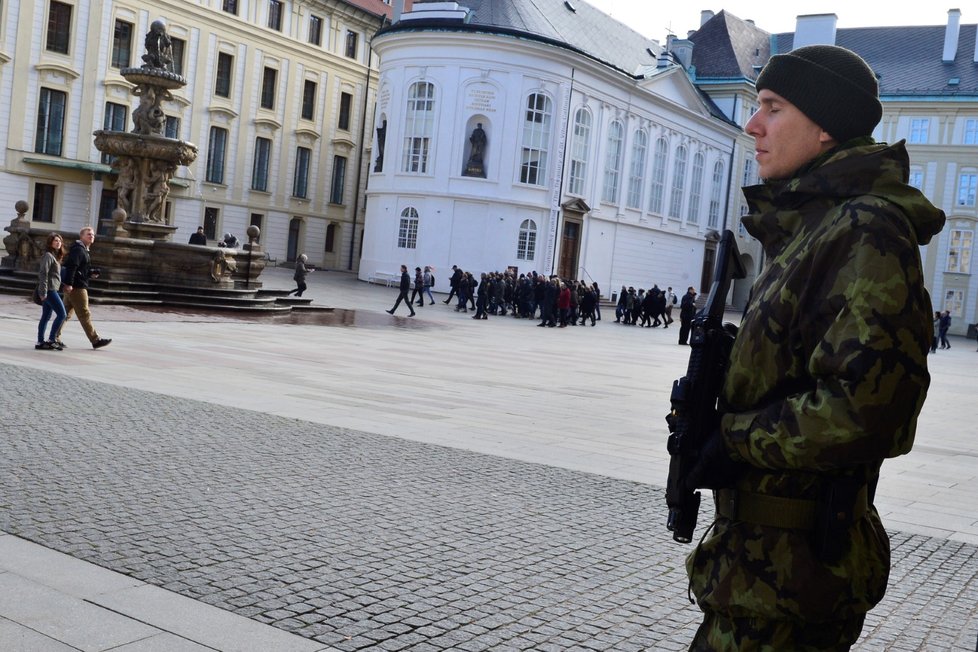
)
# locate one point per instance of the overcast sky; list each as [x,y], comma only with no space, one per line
[656,19]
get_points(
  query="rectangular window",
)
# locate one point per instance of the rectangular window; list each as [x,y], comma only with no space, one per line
[971,132]
[50,122]
[678,183]
[121,44]
[959,253]
[695,190]
[268,88]
[345,101]
[172,127]
[300,185]
[916,179]
[275,15]
[178,48]
[330,245]
[43,202]
[115,120]
[636,174]
[230,6]
[115,116]
[612,165]
[108,202]
[536,139]
[418,127]
[211,217]
[954,302]
[59,27]
[919,128]
[967,187]
[222,88]
[750,178]
[580,151]
[715,190]
[315,30]
[309,100]
[351,44]
[216,151]
[259,172]
[339,180]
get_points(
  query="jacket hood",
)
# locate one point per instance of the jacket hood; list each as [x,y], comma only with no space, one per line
[849,172]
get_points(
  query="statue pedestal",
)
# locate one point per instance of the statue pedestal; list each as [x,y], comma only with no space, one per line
[149,230]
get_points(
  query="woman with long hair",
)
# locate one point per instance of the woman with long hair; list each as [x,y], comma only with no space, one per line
[48,285]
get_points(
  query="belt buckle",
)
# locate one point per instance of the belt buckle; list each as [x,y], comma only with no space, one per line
[727,503]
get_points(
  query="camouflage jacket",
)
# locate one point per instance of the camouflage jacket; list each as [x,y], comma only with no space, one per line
[827,376]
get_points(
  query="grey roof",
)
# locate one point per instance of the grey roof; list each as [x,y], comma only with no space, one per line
[907,60]
[727,47]
[572,24]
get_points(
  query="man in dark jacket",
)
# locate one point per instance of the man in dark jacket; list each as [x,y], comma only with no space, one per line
[687,310]
[404,288]
[75,274]
[453,281]
[198,238]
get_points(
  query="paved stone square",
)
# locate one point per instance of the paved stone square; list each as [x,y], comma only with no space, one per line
[437,484]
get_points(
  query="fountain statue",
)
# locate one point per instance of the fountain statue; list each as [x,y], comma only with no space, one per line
[144,158]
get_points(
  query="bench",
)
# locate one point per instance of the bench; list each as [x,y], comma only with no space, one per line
[387,278]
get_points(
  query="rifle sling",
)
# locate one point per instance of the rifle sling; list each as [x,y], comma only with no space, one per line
[778,512]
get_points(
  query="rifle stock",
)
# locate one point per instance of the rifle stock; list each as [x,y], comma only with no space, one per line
[694,397]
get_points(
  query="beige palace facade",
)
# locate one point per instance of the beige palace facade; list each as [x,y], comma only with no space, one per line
[276,98]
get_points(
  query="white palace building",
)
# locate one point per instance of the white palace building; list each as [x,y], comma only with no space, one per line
[543,135]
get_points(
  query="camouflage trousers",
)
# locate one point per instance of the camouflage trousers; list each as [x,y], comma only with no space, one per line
[718,633]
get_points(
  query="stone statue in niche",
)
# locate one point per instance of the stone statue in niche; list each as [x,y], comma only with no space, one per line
[476,165]
[381,137]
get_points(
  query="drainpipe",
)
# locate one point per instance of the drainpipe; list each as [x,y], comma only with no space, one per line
[363,135]
[563,167]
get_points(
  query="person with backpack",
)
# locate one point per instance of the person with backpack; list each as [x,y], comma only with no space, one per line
[428,281]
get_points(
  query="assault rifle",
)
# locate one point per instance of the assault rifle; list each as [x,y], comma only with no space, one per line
[694,396]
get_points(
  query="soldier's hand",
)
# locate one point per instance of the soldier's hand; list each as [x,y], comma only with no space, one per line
[714,469]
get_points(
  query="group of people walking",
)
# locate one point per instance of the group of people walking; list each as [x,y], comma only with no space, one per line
[556,302]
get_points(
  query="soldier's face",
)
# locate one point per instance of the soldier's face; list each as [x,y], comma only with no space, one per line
[785,139]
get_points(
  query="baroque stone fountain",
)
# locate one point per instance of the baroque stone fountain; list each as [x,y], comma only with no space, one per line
[145,159]
[138,261]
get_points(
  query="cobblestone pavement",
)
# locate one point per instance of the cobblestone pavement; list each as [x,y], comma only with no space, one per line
[363,541]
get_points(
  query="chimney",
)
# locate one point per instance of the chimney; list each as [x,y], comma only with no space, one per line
[815,29]
[705,16]
[951,35]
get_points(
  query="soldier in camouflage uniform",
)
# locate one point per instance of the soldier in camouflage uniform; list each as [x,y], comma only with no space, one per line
[828,372]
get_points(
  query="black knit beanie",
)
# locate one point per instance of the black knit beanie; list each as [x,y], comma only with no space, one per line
[833,86]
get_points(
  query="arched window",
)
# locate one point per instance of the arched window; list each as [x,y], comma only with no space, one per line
[536,139]
[407,232]
[418,127]
[678,183]
[636,175]
[612,165]
[580,151]
[715,190]
[528,240]
[658,184]
[695,190]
